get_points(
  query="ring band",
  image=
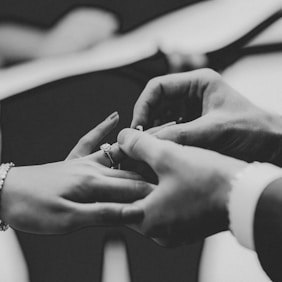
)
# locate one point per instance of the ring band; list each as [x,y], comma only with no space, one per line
[106,148]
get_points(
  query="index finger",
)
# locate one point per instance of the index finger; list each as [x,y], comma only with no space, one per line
[172,86]
[149,99]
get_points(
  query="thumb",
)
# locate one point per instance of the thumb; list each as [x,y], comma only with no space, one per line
[141,146]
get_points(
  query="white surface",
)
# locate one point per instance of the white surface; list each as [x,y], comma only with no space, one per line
[271,35]
[260,79]
[224,260]
[13,267]
[199,28]
[115,262]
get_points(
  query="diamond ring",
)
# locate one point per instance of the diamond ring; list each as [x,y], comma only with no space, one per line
[106,148]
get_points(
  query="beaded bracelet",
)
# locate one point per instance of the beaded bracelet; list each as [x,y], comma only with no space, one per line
[4,169]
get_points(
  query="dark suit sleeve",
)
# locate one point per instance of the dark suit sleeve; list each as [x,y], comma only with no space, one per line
[268,230]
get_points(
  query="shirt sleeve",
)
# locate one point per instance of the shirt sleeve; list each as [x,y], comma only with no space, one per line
[246,190]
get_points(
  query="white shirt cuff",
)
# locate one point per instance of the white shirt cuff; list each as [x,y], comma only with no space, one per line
[246,188]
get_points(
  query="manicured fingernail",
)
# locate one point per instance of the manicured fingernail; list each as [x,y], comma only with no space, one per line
[132,214]
[139,127]
[113,116]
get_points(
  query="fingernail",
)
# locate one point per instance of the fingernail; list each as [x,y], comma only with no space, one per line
[139,127]
[113,116]
[132,215]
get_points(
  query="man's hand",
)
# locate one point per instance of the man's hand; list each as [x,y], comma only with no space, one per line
[189,201]
[213,116]
[65,196]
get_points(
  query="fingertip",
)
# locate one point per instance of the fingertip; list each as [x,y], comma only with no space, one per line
[112,120]
[134,124]
[139,145]
[139,119]
[132,214]
[128,136]
[112,117]
[123,135]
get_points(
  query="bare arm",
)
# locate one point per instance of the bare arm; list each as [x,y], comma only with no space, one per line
[18,42]
[78,30]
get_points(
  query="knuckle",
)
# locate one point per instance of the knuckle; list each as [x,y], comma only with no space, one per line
[83,171]
[83,142]
[181,137]
[88,166]
[90,180]
[103,213]
[162,157]
[210,73]
[108,215]
[155,84]
[65,218]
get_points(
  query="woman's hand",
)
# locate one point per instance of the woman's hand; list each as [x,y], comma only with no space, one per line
[214,116]
[79,192]
[189,201]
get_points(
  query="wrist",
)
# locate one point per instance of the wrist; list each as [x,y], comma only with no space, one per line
[10,193]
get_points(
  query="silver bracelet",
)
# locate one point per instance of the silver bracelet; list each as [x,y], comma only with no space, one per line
[4,169]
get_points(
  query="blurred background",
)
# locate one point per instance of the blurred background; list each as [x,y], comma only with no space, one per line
[50,134]
[49,103]
[45,13]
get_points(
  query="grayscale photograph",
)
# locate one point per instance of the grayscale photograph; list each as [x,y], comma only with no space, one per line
[141,141]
